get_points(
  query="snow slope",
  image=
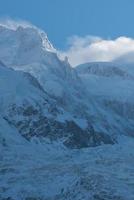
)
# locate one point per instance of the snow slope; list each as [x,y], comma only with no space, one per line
[35,114]
[110,88]
[34,171]
[37,171]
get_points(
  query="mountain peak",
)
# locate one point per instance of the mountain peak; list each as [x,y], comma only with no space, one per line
[23,45]
[34,31]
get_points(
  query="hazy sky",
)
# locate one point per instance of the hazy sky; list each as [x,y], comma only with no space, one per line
[64,18]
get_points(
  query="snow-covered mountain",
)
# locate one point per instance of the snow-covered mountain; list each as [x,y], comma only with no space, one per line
[51,113]
[57,78]
[110,87]
[35,114]
[29,49]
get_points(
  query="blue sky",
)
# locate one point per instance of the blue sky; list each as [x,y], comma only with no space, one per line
[64,18]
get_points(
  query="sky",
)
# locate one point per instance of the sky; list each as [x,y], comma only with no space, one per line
[69,21]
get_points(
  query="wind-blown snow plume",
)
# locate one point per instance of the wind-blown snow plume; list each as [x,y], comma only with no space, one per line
[14,24]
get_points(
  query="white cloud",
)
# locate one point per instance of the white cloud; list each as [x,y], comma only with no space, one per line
[90,49]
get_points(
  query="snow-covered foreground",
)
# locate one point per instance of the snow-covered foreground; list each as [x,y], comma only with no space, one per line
[52,172]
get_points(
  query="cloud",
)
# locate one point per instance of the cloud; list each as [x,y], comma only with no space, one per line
[90,49]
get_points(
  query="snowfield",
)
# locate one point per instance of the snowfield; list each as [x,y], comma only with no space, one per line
[53,172]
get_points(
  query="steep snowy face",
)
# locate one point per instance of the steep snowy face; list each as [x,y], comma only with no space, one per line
[111,98]
[23,45]
[17,87]
[28,49]
[29,110]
